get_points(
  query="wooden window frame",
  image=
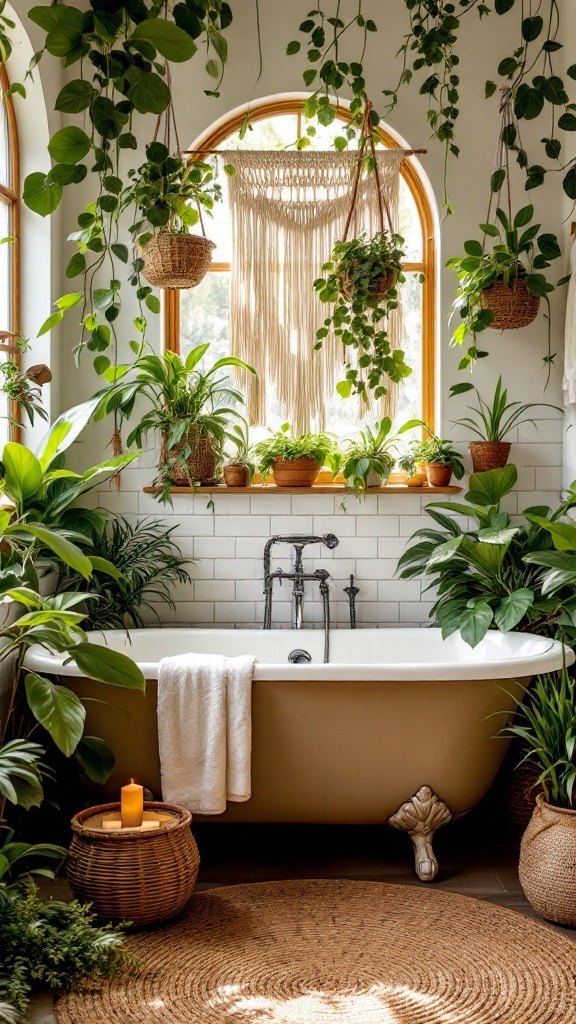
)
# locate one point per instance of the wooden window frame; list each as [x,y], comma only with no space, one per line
[10,197]
[427,266]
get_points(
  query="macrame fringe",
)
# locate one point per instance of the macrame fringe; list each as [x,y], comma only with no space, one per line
[287,210]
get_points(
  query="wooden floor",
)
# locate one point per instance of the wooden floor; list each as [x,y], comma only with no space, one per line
[478,858]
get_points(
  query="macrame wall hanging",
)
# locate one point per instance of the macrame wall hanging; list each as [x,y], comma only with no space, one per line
[287,210]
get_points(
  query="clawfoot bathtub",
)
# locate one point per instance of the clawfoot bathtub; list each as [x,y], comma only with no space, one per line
[400,725]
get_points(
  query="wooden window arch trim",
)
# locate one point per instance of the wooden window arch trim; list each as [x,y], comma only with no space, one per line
[10,196]
[428,264]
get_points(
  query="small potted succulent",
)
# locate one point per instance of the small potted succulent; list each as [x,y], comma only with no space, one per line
[240,467]
[440,459]
[361,281]
[168,195]
[501,289]
[368,459]
[296,461]
[491,422]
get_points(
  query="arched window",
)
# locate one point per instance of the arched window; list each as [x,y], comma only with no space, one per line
[202,313]
[9,255]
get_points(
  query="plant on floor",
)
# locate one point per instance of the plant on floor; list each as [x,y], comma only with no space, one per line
[278,451]
[53,945]
[490,575]
[149,563]
[492,421]
[361,281]
[371,452]
[193,409]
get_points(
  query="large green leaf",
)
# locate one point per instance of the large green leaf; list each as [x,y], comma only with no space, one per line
[563,534]
[172,42]
[59,710]
[65,430]
[148,92]
[69,145]
[106,666]
[75,97]
[444,552]
[513,608]
[20,780]
[96,758]
[490,487]
[41,195]
[475,622]
[61,546]
[22,474]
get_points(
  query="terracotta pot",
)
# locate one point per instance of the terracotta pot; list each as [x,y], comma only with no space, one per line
[199,467]
[417,480]
[489,454]
[439,474]
[547,859]
[236,476]
[297,473]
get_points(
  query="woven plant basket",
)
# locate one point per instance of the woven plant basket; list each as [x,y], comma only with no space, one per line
[489,455]
[512,307]
[141,877]
[176,261]
[548,862]
[519,793]
[381,285]
[199,467]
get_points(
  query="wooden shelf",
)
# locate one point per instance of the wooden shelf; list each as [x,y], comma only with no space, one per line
[317,489]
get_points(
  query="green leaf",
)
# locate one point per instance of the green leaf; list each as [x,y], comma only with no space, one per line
[148,92]
[475,622]
[75,97]
[531,28]
[172,42]
[22,474]
[569,183]
[153,303]
[563,534]
[67,301]
[20,780]
[473,248]
[96,758]
[69,145]
[106,666]
[567,122]
[40,195]
[293,47]
[489,89]
[512,609]
[64,431]
[121,251]
[57,709]
[490,487]
[524,216]
[61,546]
[77,265]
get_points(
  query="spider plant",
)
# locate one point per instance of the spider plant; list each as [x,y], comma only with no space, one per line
[493,421]
[371,452]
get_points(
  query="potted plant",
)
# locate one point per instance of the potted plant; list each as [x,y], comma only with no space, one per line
[296,461]
[192,409]
[361,281]
[368,459]
[491,422]
[440,459]
[168,195]
[22,388]
[501,289]
[546,728]
[412,470]
[240,467]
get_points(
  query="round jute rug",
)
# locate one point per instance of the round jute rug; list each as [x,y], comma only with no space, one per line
[339,952]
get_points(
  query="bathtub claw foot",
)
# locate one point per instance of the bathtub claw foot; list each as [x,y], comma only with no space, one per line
[420,817]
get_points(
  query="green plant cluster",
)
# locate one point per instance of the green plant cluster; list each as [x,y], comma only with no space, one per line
[490,575]
[283,446]
[53,946]
[372,450]
[492,422]
[362,282]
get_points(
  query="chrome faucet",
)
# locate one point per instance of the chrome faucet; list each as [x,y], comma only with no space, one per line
[298,578]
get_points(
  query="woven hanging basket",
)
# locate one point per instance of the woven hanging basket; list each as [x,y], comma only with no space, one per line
[176,261]
[199,466]
[142,877]
[513,306]
[547,860]
[489,454]
[382,285]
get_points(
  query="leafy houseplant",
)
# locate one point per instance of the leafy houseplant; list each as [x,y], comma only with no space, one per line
[296,461]
[191,408]
[22,388]
[240,467]
[492,422]
[490,575]
[501,289]
[368,460]
[408,463]
[168,195]
[148,563]
[441,460]
[361,282]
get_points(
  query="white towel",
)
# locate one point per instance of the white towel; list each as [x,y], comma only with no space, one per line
[205,730]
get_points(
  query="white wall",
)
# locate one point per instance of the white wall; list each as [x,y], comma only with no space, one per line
[371,533]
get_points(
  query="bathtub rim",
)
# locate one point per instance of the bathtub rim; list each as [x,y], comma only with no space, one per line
[549,659]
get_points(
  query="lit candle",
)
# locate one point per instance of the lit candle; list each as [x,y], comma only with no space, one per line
[131,805]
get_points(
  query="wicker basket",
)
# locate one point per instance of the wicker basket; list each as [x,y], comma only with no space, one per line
[489,455]
[547,862]
[519,793]
[199,467]
[382,285]
[141,877]
[176,261]
[512,307]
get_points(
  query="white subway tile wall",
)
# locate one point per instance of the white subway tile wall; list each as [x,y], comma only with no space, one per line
[227,543]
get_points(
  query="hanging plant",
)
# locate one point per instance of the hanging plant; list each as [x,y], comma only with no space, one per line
[122,52]
[361,281]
